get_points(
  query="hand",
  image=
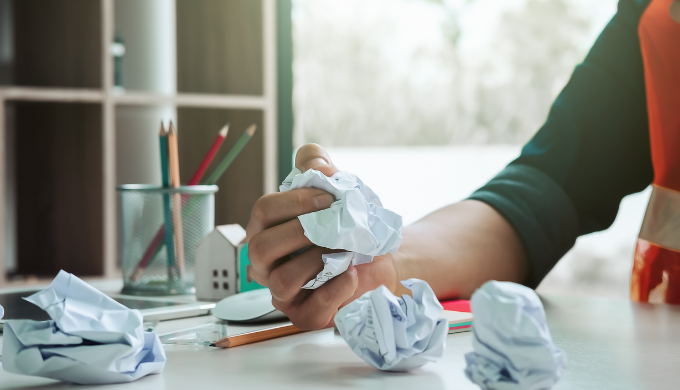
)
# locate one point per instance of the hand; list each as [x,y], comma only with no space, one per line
[274,232]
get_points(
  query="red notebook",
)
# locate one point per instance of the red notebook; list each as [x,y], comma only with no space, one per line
[457,305]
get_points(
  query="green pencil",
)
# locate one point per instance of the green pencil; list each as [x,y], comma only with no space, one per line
[230,156]
[165,178]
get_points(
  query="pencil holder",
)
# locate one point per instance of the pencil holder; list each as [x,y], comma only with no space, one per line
[161,228]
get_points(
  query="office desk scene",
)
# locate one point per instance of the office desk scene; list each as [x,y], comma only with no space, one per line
[279,194]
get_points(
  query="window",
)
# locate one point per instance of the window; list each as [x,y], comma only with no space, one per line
[428,99]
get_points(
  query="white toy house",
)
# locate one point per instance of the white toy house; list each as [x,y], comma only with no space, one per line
[217,263]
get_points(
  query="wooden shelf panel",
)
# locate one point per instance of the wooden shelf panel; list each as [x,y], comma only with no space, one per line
[133,98]
[58,187]
[52,94]
[220,46]
[56,43]
[191,100]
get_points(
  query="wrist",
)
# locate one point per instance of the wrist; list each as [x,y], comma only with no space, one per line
[400,273]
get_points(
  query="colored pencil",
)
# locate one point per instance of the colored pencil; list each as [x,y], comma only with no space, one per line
[231,155]
[165,180]
[166,230]
[255,336]
[209,156]
[173,154]
[153,247]
[167,209]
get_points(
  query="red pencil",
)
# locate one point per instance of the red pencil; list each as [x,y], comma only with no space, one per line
[158,238]
[208,157]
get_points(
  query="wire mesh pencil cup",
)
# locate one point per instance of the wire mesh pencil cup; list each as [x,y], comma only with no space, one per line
[158,258]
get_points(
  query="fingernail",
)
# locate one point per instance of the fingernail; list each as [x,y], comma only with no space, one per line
[323,201]
[315,163]
[352,269]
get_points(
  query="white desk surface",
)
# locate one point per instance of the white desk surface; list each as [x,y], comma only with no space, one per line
[609,345]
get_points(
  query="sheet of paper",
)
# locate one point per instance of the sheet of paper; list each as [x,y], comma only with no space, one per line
[512,344]
[392,333]
[355,222]
[91,338]
[334,265]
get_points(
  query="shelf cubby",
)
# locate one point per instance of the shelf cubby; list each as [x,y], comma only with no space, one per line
[55,43]
[58,184]
[69,135]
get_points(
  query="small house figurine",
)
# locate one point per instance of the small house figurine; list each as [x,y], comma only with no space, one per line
[222,265]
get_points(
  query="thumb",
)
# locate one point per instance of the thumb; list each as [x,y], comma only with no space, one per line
[313,156]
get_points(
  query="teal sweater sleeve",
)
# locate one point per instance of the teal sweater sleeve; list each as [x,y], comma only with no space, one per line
[591,152]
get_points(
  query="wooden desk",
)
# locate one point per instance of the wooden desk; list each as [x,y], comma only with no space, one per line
[610,345]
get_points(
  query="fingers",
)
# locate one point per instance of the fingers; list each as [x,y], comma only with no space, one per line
[313,156]
[315,310]
[274,243]
[273,209]
[286,280]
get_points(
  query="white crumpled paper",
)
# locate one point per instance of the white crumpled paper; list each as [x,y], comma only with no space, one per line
[395,334]
[355,222]
[512,344]
[91,338]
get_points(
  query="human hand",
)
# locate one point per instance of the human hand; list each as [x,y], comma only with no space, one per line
[274,232]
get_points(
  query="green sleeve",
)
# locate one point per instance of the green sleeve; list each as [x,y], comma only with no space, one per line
[591,152]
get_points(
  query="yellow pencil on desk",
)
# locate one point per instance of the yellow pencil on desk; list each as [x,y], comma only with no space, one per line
[256,335]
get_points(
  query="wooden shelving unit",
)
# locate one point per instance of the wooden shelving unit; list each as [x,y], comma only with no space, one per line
[122,132]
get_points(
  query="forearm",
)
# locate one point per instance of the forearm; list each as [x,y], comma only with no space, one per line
[459,247]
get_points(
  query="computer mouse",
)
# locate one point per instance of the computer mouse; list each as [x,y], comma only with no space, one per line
[255,305]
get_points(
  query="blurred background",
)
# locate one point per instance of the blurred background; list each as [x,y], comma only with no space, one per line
[425,99]
[429,99]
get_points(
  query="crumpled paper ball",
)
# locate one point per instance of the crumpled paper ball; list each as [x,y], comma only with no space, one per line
[90,339]
[512,345]
[355,222]
[392,333]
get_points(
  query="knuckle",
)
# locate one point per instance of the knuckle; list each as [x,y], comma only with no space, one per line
[259,209]
[315,322]
[280,284]
[303,201]
[262,280]
[255,252]
[324,299]
[299,232]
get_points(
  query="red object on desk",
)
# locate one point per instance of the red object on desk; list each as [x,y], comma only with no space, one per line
[457,305]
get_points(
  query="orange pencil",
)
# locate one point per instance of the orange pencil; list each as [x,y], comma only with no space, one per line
[173,154]
[255,336]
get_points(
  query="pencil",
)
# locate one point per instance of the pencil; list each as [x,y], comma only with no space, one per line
[153,247]
[231,155]
[167,209]
[166,229]
[173,154]
[208,157]
[155,242]
[255,336]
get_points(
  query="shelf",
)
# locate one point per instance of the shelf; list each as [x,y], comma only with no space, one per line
[51,94]
[55,44]
[68,136]
[191,100]
[132,98]
[58,189]
[221,46]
